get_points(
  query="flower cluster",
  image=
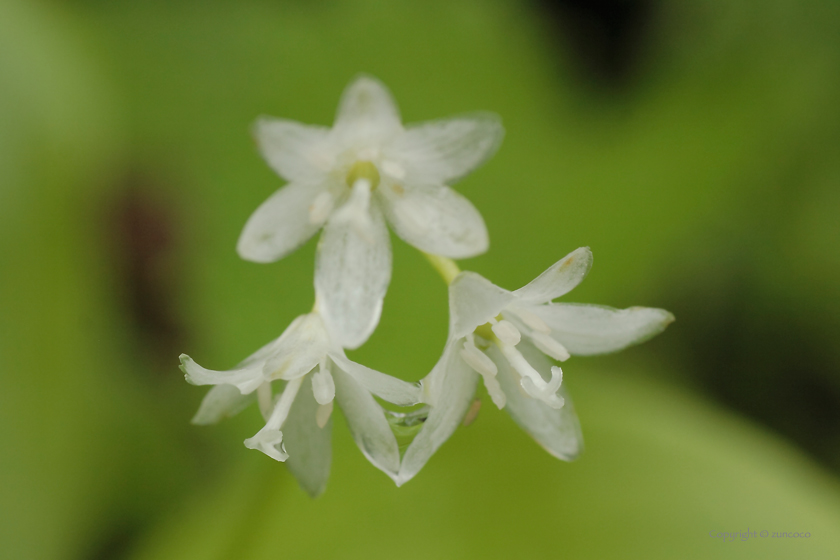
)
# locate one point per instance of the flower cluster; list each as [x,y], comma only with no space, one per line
[350,180]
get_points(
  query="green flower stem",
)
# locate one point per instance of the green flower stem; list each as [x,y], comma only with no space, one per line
[447,268]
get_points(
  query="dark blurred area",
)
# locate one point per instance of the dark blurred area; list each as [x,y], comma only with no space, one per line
[764,311]
[752,339]
[604,39]
[143,229]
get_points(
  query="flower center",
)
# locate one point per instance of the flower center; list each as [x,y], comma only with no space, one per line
[363,169]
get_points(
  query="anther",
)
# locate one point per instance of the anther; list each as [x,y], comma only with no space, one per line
[550,346]
[506,332]
[477,359]
[323,386]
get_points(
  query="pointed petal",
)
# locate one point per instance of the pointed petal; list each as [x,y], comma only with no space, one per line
[474,300]
[435,219]
[352,274]
[597,329]
[260,355]
[303,344]
[367,111]
[556,430]
[367,423]
[281,224]
[222,401]
[245,379]
[445,150]
[297,152]
[309,447]
[451,387]
[559,279]
[393,390]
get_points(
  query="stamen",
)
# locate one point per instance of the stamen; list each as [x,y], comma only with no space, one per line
[472,413]
[506,331]
[477,359]
[556,379]
[269,440]
[532,382]
[521,365]
[322,415]
[320,208]
[550,346]
[495,391]
[284,404]
[323,386]
[552,400]
[481,363]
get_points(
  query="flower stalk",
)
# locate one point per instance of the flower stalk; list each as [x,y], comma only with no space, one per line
[447,268]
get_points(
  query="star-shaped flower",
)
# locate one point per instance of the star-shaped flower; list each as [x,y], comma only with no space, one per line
[350,179]
[303,409]
[504,338]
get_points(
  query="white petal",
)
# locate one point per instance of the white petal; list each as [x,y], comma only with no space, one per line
[596,329]
[351,277]
[473,301]
[559,279]
[222,401]
[435,219]
[297,152]
[301,347]
[367,423]
[245,379]
[260,356]
[384,386]
[447,149]
[309,447]
[557,430]
[281,224]
[451,385]
[367,111]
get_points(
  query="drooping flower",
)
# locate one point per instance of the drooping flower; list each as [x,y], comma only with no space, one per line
[298,426]
[352,178]
[504,337]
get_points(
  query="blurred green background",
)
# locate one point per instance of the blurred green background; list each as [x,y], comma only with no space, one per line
[693,146]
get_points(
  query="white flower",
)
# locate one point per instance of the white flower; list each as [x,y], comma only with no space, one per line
[298,426]
[503,337]
[349,180]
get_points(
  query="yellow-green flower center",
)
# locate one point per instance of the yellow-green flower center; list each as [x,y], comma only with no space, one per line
[363,170]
